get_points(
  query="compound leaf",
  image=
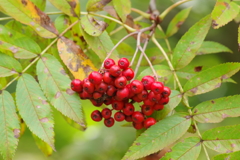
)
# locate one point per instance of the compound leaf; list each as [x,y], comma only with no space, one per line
[123,8]
[96,5]
[41,4]
[43,146]
[209,47]
[9,66]
[227,156]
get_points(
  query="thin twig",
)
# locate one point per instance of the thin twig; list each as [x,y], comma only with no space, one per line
[138,44]
[144,14]
[165,38]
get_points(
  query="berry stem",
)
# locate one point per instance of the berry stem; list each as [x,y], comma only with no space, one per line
[143,14]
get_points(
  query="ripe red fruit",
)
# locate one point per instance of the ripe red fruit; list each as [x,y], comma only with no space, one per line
[108,101]
[137,117]
[164,100]
[157,87]
[166,91]
[147,110]
[136,99]
[120,82]
[128,118]
[97,95]
[128,73]
[136,86]
[106,113]
[148,102]
[122,94]
[123,63]
[85,95]
[147,82]
[115,71]
[149,122]
[108,63]
[154,97]
[119,116]
[158,107]
[128,109]
[108,78]
[96,116]
[137,126]
[109,122]
[102,87]
[95,77]
[88,87]
[76,85]
[118,105]
[96,103]
[143,95]
[111,91]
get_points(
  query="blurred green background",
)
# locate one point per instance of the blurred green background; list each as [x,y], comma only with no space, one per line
[101,143]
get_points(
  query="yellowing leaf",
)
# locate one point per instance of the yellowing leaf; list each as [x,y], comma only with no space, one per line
[96,5]
[73,57]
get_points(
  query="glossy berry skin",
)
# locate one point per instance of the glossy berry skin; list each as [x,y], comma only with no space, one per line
[147,110]
[97,95]
[96,102]
[149,122]
[115,71]
[88,87]
[123,63]
[128,109]
[111,91]
[128,118]
[164,100]
[106,113]
[96,116]
[101,88]
[154,97]
[109,122]
[148,102]
[136,99]
[76,85]
[143,95]
[108,63]
[136,86]
[108,101]
[120,82]
[122,94]
[118,105]
[158,107]
[137,117]
[95,77]
[166,91]
[138,126]
[128,73]
[157,87]
[119,116]
[85,95]
[108,78]
[147,82]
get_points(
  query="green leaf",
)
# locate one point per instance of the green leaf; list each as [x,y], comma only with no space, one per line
[70,7]
[224,139]
[21,46]
[123,8]
[210,79]
[26,12]
[56,86]
[177,21]
[34,109]
[190,42]
[9,66]
[96,5]
[41,4]
[228,156]
[61,23]
[158,136]
[44,147]
[9,126]
[189,148]
[209,47]
[101,45]
[73,123]
[224,12]
[93,26]
[216,110]
[175,99]
[239,37]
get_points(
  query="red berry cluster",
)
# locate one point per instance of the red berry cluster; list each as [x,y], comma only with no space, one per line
[112,87]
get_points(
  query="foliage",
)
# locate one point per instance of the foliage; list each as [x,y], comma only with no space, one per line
[43,56]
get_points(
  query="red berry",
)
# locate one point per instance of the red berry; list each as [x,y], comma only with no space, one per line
[119,116]
[97,95]
[128,118]
[128,109]
[96,116]
[154,97]
[108,101]
[149,122]
[123,63]
[88,87]
[136,86]
[102,87]
[158,107]
[136,99]
[118,105]
[143,95]
[164,100]
[109,122]
[147,110]
[137,117]
[115,71]
[96,103]
[95,77]
[148,102]
[137,126]
[85,95]
[157,87]
[76,85]
[108,63]
[147,82]
[120,82]
[106,113]
[122,94]
[128,73]
[108,78]
[166,91]
[111,91]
